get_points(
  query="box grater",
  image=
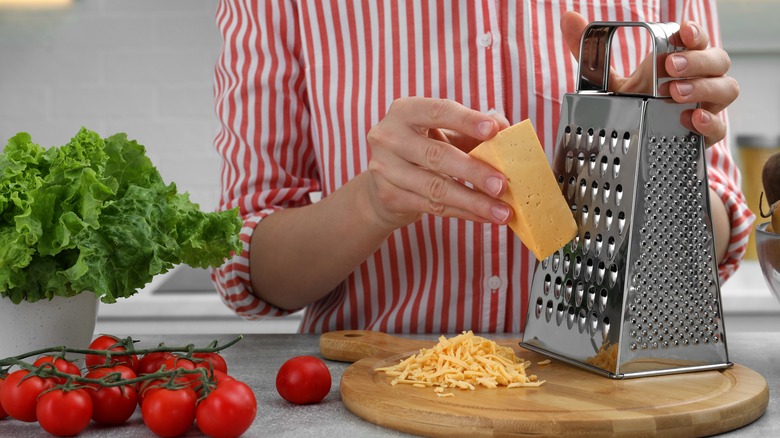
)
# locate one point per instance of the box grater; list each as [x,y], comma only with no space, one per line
[636,292]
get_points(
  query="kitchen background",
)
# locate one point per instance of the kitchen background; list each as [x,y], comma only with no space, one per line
[145,67]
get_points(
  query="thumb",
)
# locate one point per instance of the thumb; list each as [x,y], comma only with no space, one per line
[572,25]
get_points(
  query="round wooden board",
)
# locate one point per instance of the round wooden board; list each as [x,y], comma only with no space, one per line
[571,402]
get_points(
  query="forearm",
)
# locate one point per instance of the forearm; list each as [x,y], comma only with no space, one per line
[298,255]
[721,226]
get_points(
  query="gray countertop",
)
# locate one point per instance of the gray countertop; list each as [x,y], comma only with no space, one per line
[257,357]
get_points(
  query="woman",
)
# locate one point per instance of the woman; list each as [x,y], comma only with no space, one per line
[375,105]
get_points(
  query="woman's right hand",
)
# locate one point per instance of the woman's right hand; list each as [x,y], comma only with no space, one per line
[419,156]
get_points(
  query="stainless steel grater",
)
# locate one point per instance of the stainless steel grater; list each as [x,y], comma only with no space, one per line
[636,292]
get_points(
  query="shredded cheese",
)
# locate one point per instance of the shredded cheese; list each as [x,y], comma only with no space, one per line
[605,358]
[544,362]
[464,361]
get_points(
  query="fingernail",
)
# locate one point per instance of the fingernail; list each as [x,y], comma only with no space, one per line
[680,63]
[485,128]
[494,185]
[695,29]
[684,88]
[500,212]
[706,117]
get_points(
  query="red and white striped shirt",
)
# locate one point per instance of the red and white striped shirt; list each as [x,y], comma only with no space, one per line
[299,83]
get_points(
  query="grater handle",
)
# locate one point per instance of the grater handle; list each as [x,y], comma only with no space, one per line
[595,52]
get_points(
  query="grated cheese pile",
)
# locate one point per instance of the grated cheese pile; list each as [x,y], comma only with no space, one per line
[464,361]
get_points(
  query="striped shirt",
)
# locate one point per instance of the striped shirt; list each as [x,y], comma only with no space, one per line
[299,83]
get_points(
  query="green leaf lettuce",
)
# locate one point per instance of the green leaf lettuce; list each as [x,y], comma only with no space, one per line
[95,215]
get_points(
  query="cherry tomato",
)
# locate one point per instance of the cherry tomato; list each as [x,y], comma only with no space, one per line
[215,359]
[108,342]
[148,386]
[19,397]
[303,380]
[173,362]
[112,405]
[3,413]
[228,410]
[151,362]
[64,413]
[169,412]
[61,364]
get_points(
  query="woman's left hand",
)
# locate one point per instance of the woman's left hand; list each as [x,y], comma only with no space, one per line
[702,69]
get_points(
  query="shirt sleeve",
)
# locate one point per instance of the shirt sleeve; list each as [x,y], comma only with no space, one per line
[264,140]
[723,174]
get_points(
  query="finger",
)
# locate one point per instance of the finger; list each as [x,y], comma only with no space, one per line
[693,36]
[572,26]
[698,63]
[427,113]
[440,157]
[711,127]
[443,195]
[467,143]
[715,94]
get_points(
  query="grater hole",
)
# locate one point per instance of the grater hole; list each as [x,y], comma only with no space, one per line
[610,247]
[567,291]
[592,163]
[588,269]
[600,272]
[605,328]
[603,166]
[626,142]
[615,167]
[603,300]
[618,194]
[570,315]
[548,310]
[608,216]
[556,261]
[557,287]
[566,263]
[547,284]
[594,323]
[538,310]
[577,266]
[596,217]
[586,241]
[582,320]
[569,161]
[599,244]
[580,161]
[613,138]
[590,300]
[559,313]
[621,222]
[579,294]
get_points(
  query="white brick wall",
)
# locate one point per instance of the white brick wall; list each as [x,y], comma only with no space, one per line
[144,67]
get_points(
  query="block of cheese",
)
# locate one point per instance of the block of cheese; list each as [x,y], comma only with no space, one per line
[542,218]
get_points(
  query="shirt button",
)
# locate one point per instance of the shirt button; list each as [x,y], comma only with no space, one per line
[485,40]
[494,282]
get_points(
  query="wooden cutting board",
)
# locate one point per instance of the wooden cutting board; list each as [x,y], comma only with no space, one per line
[572,401]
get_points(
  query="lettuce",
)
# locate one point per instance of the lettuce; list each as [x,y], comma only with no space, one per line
[95,215]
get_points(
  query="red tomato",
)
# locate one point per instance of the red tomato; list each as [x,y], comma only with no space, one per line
[61,364]
[228,410]
[169,412]
[19,397]
[112,405]
[303,380]
[108,342]
[64,413]
[148,386]
[215,359]
[3,413]
[151,362]
[173,362]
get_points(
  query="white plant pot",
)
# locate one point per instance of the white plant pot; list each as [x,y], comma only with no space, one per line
[61,321]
